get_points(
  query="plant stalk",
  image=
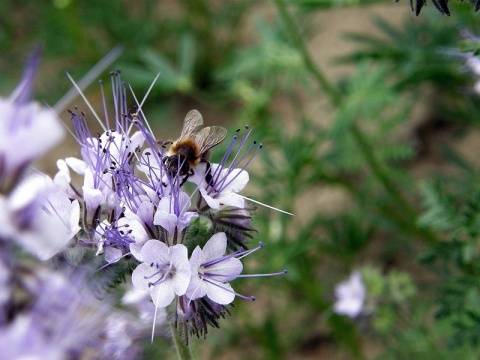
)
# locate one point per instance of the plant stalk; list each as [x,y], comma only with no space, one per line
[181,348]
[336,98]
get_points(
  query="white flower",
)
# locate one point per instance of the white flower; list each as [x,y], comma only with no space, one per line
[165,272]
[350,296]
[211,271]
[224,186]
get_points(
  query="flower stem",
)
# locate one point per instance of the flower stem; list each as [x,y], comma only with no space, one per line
[395,194]
[297,39]
[181,348]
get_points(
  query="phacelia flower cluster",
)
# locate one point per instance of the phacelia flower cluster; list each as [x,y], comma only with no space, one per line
[161,207]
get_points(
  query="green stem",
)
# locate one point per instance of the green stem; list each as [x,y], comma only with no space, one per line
[380,172]
[395,194]
[297,39]
[183,352]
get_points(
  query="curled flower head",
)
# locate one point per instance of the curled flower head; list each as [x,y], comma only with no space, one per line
[234,222]
[196,315]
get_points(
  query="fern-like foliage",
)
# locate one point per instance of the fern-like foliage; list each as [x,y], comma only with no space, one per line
[457,258]
[373,104]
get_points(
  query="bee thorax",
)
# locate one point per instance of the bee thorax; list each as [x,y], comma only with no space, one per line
[187,149]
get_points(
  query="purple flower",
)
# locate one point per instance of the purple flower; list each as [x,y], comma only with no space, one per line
[223,191]
[108,159]
[118,239]
[165,271]
[23,339]
[219,184]
[211,271]
[64,321]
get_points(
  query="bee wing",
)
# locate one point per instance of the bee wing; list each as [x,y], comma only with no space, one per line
[191,123]
[209,137]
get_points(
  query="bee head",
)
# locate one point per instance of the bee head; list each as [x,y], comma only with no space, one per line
[176,165]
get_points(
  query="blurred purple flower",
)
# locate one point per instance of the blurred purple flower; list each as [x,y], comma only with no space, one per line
[64,321]
[39,216]
[27,130]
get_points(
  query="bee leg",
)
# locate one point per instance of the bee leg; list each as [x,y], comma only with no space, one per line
[185,178]
[169,165]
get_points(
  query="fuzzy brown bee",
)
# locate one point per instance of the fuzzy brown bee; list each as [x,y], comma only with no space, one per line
[193,146]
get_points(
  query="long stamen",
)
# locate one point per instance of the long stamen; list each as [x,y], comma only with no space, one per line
[267,206]
[252,298]
[262,275]
[223,184]
[224,159]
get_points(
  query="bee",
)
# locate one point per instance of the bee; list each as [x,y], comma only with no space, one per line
[192,147]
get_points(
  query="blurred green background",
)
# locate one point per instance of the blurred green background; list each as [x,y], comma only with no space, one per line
[370,127]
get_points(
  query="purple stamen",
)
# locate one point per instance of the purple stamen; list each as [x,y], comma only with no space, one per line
[219,181]
[163,271]
[223,185]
